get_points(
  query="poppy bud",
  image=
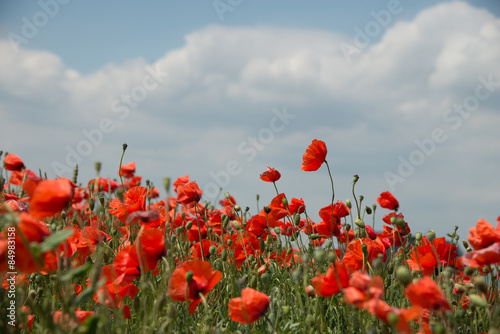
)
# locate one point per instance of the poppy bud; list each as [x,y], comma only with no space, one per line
[296,219]
[393,318]
[223,255]
[418,236]
[189,276]
[277,230]
[227,195]
[399,221]
[328,244]
[480,285]
[314,236]
[124,146]
[319,255]
[431,235]
[359,223]
[332,257]
[403,275]
[468,271]
[477,300]
[189,224]
[356,178]
[368,210]
[237,208]
[348,203]
[347,227]
[364,248]
[284,201]
[166,184]
[286,310]
[101,200]
[212,250]
[230,242]
[236,225]
[465,243]
[91,203]
[247,209]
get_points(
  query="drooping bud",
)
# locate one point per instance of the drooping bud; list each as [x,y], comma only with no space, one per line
[348,203]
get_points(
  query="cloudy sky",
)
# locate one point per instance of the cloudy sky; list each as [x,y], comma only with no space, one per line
[405,94]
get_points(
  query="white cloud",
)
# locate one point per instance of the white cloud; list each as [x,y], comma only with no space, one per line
[224,83]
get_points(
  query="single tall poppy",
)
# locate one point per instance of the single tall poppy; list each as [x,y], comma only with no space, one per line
[388,201]
[315,156]
[270,175]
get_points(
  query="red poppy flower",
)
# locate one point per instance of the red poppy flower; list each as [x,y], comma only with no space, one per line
[180,180]
[133,200]
[423,258]
[270,175]
[12,162]
[49,197]
[203,280]
[483,235]
[63,318]
[128,170]
[102,184]
[296,206]
[188,192]
[427,294]
[481,257]
[315,156]
[249,307]
[328,285]
[388,201]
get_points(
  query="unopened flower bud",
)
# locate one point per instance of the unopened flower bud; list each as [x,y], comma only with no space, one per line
[359,223]
[477,300]
[355,178]
[237,208]
[368,210]
[465,243]
[403,275]
[348,203]
[431,235]
[189,276]
[418,236]
[166,184]
[319,255]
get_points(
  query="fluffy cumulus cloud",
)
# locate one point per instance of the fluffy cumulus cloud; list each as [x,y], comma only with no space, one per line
[414,111]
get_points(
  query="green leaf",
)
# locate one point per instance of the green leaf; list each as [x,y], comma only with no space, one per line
[55,240]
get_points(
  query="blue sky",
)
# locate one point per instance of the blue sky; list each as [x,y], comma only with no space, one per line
[410,105]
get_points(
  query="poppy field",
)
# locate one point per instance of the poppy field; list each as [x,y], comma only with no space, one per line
[112,256]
